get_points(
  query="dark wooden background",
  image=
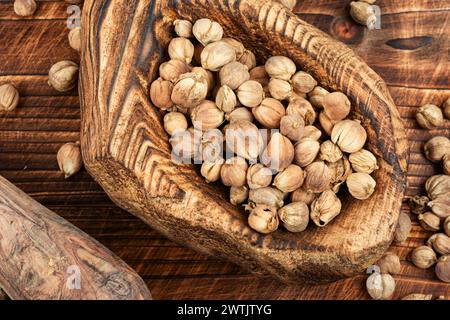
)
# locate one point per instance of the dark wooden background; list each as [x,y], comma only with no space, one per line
[410,51]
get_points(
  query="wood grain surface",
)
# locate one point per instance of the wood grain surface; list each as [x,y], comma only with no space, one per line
[44,257]
[410,52]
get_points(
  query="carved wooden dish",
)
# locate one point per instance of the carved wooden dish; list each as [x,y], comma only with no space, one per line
[126,149]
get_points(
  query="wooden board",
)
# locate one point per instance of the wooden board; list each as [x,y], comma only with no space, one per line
[416,70]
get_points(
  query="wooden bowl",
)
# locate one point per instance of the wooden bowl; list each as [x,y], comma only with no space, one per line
[126,149]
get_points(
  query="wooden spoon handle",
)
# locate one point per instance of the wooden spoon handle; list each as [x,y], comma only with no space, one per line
[43,256]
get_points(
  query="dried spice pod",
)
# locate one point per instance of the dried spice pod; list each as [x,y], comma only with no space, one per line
[69,159]
[418,204]
[292,126]
[25,8]
[317,177]
[263,219]
[236,45]
[174,121]
[380,286]
[326,124]
[181,49]
[363,161]
[233,172]
[349,135]
[244,139]
[438,185]
[363,13]
[429,116]
[403,228]
[325,208]
[63,75]
[360,185]
[289,179]
[446,108]
[211,145]
[294,216]
[436,148]
[233,74]
[301,195]
[160,93]
[429,221]
[226,99]
[280,67]
[330,152]
[248,59]
[9,97]
[269,113]
[339,172]
[418,296]
[440,242]
[240,113]
[260,75]
[303,82]
[207,31]
[446,164]
[446,226]
[238,195]
[258,176]
[316,96]
[208,75]
[303,108]
[216,55]
[442,269]
[306,151]
[206,116]
[171,70]
[211,170]
[279,153]
[440,206]
[75,38]
[423,257]
[189,90]
[280,89]
[336,106]
[183,28]
[250,93]
[311,132]
[268,195]
[389,263]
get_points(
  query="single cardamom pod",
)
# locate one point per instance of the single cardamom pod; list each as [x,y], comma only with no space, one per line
[423,257]
[268,196]
[441,206]
[389,263]
[440,243]
[403,228]
[443,268]
[295,216]
[69,159]
[447,226]
[363,13]
[263,218]
[430,221]
[380,286]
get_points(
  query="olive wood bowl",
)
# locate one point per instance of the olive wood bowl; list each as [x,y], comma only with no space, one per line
[126,149]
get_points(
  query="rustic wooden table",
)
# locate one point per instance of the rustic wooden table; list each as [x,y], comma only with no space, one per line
[410,51]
